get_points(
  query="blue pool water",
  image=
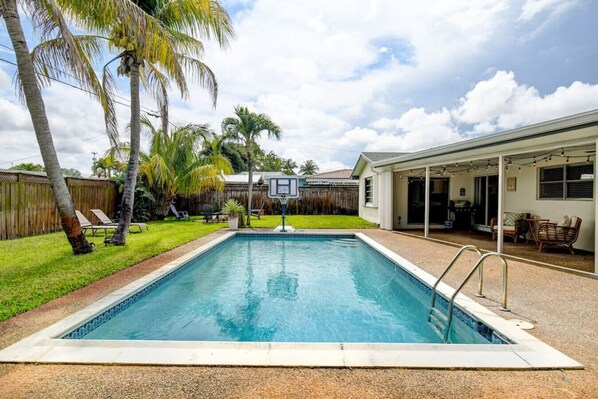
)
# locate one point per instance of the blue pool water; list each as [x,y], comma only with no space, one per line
[281,289]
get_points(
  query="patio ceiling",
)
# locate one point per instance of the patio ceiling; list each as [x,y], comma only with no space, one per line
[573,154]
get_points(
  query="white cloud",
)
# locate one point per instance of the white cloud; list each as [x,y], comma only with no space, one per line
[332,75]
[532,8]
[501,103]
[497,104]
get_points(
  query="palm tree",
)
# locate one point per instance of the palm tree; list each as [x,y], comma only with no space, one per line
[173,166]
[48,19]
[309,167]
[289,166]
[247,127]
[158,58]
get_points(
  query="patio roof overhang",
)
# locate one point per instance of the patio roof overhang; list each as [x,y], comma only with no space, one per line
[574,133]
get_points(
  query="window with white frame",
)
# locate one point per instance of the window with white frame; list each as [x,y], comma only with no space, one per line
[369,190]
[567,182]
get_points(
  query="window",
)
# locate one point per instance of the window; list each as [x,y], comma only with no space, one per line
[567,182]
[369,190]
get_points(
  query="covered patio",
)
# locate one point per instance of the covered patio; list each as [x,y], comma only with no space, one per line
[538,174]
[582,261]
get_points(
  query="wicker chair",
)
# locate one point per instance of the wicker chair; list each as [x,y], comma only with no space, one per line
[514,225]
[553,235]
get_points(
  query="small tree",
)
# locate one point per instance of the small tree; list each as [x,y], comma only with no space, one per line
[173,166]
[31,167]
[309,168]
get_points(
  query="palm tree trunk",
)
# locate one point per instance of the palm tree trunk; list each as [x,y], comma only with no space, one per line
[128,199]
[37,110]
[250,187]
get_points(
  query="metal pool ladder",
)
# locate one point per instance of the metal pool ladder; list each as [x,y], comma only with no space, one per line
[440,322]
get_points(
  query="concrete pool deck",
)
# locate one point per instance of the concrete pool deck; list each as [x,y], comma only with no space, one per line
[563,306]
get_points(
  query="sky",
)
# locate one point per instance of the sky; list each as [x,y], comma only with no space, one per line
[341,77]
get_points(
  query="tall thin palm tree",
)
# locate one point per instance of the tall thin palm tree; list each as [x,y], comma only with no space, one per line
[247,127]
[50,22]
[154,60]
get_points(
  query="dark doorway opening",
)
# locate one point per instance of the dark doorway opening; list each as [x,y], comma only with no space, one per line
[439,200]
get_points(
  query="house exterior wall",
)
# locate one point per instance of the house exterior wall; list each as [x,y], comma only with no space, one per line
[368,211]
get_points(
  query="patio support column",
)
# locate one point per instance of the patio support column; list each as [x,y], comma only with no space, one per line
[427,204]
[385,205]
[595,215]
[501,198]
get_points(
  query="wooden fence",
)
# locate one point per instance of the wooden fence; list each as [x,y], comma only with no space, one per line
[27,203]
[313,200]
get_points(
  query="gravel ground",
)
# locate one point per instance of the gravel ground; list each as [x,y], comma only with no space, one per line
[563,306]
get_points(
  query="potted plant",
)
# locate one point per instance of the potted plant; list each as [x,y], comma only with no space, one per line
[234,210]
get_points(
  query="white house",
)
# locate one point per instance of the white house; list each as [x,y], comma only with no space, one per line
[546,170]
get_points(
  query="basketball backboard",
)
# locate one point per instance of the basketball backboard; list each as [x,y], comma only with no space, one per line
[283,187]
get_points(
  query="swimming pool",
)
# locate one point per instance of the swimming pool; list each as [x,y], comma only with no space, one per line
[277,288]
[343,305]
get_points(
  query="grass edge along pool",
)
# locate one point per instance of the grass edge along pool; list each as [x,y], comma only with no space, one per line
[524,351]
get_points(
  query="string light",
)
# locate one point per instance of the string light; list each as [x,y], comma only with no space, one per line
[567,161]
[534,164]
[588,159]
[562,152]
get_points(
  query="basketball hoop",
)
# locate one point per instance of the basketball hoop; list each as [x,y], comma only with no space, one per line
[283,188]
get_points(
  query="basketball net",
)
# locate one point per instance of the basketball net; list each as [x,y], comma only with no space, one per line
[283,199]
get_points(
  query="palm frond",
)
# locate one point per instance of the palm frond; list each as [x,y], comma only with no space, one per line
[204,18]
[202,74]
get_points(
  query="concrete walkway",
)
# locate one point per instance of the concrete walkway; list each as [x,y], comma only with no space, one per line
[563,306]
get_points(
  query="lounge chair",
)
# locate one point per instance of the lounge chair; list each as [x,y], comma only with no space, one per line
[105,220]
[179,215]
[563,234]
[209,216]
[257,211]
[87,225]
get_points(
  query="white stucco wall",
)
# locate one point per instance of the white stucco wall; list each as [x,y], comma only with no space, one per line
[368,211]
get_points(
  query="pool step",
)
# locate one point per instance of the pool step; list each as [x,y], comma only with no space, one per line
[344,242]
[438,321]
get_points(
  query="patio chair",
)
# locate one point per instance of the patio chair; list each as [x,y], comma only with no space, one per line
[179,215]
[209,216]
[105,220]
[514,225]
[257,211]
[87,225]
[563,234]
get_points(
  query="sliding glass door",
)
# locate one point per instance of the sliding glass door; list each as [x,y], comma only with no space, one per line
[485,199]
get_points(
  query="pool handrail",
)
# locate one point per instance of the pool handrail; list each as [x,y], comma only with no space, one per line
[505,274]
[450,265]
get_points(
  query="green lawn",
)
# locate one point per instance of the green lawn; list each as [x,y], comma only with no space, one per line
[314,222]
[35,270]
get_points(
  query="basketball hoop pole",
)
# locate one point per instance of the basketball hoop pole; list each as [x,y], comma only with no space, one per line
[283,205]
